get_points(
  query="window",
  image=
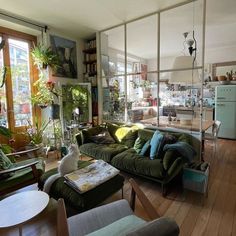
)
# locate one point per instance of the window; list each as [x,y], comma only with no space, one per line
[16,78]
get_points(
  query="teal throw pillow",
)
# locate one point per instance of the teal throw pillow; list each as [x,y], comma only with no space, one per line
[5,162]
[156,144]
[139,142]
[145,149]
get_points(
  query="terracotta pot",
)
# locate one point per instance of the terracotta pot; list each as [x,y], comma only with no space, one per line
[222,78]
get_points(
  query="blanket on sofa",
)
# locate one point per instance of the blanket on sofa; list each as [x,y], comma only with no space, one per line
[91,176]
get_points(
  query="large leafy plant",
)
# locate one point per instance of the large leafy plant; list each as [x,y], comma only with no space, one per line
[43,97]
[43,56]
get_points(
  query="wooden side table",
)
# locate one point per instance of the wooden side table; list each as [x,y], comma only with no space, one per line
[21,207]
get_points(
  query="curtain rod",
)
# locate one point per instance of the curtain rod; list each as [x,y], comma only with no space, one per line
[44,27]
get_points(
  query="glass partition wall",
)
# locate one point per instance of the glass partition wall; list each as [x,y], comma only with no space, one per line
[152,68]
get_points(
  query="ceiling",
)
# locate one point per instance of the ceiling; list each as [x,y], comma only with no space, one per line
[81,18]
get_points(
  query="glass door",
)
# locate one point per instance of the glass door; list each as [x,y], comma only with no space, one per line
[20,81]
[16,79]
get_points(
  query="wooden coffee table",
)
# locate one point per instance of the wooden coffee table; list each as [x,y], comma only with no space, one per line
[21,207]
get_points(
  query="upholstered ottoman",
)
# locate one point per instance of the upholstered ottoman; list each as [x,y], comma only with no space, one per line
[81,202]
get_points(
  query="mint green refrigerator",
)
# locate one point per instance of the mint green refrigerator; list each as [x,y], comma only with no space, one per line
[225,110]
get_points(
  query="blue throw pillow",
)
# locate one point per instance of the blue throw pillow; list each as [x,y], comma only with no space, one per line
[145,148]
[183,148]
[156,144]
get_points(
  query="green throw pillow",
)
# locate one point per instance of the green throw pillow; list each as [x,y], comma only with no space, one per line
[5,162]
[139,142]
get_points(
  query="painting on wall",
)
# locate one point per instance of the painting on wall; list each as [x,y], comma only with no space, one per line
[66,51]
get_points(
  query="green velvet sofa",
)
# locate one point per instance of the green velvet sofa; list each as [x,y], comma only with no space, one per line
[123,155]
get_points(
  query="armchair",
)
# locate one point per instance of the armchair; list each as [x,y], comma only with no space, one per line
[22,173]
[116,218]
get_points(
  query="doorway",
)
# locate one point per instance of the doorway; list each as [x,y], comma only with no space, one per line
[17,75]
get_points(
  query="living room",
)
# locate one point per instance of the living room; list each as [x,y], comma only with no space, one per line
[146,88]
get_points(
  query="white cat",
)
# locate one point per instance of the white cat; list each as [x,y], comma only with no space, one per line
[68,164]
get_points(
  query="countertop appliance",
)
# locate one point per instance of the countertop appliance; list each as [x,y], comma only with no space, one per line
[225,110]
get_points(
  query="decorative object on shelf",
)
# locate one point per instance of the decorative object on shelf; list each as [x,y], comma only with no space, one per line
[65,50]
[43,57]
[90,60]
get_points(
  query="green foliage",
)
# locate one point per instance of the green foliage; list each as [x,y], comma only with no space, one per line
[44,56]
[43,96]
[8,134]
[5,132]
[74,96]
[35,133]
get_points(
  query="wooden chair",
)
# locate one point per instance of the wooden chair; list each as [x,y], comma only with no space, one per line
[22,173]
[116,217]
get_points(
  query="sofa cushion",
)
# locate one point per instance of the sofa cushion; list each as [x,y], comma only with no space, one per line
[145,151]
[169,158]
[145,134]
[88,133]
[139,142]
[103,137]
[120,227]
[162,227]
[123,134]
[102,151]
[156,144]
[183,148]
[130,161]
[21,176]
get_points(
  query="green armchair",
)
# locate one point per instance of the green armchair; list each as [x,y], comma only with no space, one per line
[20,174]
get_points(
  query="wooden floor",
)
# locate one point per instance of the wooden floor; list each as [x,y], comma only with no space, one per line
[195,215]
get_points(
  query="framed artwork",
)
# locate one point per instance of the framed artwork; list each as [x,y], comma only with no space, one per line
[66,51]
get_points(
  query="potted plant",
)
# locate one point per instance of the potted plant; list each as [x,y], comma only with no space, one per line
[43,97]
[43,57]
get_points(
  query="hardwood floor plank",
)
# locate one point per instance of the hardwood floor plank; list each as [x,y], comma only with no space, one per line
[218,207]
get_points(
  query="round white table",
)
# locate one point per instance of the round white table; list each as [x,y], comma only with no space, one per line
[21,207]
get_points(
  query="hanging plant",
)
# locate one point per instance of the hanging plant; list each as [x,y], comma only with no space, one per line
[43,97]
[44,56]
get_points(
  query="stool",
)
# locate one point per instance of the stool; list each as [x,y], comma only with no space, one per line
[81,202]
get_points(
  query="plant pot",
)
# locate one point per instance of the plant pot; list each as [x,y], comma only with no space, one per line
[43,106]
[55,111]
